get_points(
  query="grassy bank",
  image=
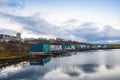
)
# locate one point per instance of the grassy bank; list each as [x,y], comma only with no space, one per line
[9,59]
[11,55]
[13,47]
[12,52]
[115,46]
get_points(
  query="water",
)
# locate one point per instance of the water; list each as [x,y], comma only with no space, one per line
[87,65]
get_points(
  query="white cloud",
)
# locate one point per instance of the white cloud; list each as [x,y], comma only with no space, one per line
[64,73]
[35,26]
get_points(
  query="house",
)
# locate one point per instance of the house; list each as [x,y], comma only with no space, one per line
[55,47]
[39,48]
[6,38]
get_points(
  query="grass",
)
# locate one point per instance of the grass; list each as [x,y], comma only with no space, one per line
[115,46]
[11,55]
[4,55]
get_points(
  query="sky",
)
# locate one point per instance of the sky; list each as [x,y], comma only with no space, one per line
[95,21]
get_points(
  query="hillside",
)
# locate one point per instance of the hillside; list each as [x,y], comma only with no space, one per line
[13,47]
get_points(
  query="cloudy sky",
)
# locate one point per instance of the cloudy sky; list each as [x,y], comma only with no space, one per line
[80,20]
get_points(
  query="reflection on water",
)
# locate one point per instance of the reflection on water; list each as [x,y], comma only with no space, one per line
[90,65]
[40,61]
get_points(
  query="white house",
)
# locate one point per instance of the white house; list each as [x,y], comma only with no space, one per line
[6,38]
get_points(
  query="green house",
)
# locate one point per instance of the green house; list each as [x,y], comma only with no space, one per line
[39,48]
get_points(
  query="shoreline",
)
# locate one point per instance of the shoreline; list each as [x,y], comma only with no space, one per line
[25,57]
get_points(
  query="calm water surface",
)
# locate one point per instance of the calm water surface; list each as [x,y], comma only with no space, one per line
[87,65]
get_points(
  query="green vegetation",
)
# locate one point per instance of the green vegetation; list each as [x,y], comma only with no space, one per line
[115,46]
[11,55]
[12,47]
[3,55]
[13,50]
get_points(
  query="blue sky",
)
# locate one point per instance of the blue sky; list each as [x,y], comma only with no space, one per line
[69,19]
[100,11]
